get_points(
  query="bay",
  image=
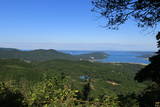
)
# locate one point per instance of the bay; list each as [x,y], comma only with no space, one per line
[117,56]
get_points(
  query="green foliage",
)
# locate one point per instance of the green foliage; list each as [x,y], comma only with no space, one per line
[49,91]
[58,82]
[130,100]
[102,75]
[10,97]
[150,96]
[52,92]
[86,91]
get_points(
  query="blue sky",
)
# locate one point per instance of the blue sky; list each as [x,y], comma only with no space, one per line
[64,24]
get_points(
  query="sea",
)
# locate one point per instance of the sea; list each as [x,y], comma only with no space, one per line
[117,56]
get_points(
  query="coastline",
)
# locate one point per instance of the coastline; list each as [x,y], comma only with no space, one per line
[124,63]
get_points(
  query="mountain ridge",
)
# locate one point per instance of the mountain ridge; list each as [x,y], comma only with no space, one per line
[44,55]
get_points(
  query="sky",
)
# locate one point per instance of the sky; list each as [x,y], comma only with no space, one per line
[65,25]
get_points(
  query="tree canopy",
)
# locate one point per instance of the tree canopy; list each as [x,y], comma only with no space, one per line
[151,71]
[116,12]
[147,14]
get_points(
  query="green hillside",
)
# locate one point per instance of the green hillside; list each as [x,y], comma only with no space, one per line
[45,55]
[102,75]
[106,78]
[55,81]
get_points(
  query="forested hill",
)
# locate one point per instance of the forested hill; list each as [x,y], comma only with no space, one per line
[109,78]
[44,55]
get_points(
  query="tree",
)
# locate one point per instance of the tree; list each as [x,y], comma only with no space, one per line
[86,91]
[117,12]
[146,13]
[151,71]
[10,97]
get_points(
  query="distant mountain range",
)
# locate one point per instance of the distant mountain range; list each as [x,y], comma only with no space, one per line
[45,55]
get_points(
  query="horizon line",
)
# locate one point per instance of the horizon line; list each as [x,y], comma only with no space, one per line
[23,49]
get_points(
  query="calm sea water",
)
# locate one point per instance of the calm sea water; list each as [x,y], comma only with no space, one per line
[118,56]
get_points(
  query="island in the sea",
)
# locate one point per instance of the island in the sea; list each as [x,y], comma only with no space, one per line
[147,55]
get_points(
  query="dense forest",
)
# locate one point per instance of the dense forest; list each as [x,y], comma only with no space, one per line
[66,83]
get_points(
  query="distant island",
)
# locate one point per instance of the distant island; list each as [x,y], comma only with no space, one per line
[92,56]
[45,55]
[147,55]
